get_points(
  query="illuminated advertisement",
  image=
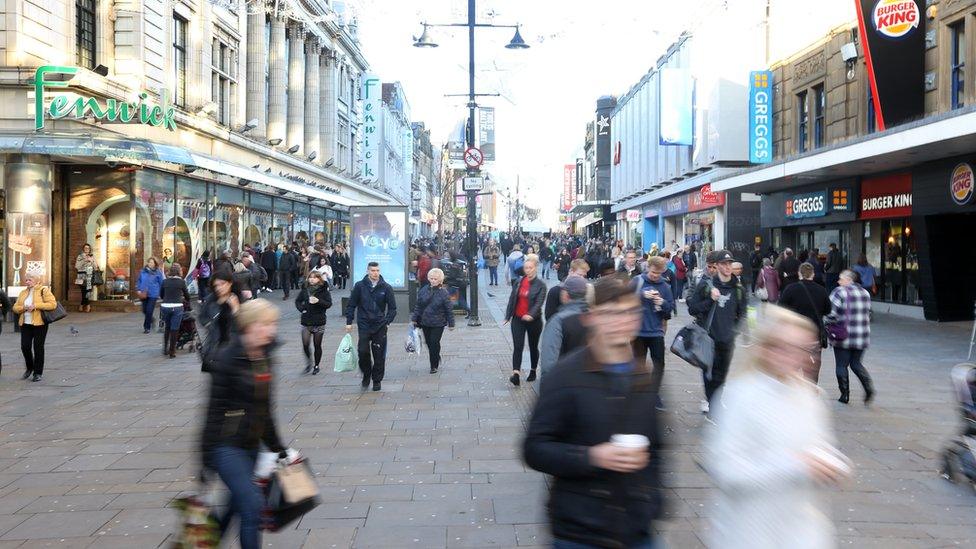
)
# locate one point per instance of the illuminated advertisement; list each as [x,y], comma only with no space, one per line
[379,234]
[760,117]
[677,120]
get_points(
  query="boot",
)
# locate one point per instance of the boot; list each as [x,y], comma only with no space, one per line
[173,336]
[868,387]
[844,385]
[166,342]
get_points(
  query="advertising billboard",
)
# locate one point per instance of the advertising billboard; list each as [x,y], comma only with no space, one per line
[569,180]
[886,196]
[379,233]
[677,116]
[760,117]
[894,49]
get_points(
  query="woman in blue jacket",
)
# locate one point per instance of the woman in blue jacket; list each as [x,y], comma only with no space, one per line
[433,312]
[150,281]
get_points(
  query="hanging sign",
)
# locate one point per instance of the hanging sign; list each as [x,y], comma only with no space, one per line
[760,117]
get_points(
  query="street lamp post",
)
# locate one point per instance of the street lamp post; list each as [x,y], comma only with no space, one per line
[517,43]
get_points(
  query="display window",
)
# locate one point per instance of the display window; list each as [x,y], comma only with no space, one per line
[892,249]
[98,214]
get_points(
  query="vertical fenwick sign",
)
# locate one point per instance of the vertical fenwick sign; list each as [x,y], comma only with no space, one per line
[893,34]
[372,103]
[760,117]
[65,105]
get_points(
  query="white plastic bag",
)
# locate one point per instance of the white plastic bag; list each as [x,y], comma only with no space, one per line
[346,359]
[411,342]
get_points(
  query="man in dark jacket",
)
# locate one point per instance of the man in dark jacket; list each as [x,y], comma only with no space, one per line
[372,301]
[818,268]
[559,338]
[286,267]
[270,263]
[657,302]
[833,268]
[717,305]
[809,299]
[553,302]
[755,262]
[629,265]
[605,493]
[788,269]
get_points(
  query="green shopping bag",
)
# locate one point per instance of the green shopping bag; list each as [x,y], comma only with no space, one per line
[346,359]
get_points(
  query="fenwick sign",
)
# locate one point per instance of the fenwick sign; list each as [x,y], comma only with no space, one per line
[111,110]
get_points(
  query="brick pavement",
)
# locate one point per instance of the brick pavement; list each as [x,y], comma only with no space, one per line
[91,456]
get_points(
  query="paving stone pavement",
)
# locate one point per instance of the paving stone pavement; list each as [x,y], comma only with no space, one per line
[92,455]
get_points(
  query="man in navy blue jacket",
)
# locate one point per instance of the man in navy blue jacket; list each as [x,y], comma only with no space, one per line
[372,301]
[657,302]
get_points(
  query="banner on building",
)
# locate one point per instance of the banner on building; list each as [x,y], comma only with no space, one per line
[372,104]
[760,117]
[886,196]
[676,118]
[486,132]
[379,234]
[894,50]
[569,180]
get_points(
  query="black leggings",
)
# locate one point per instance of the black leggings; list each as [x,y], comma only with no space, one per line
[32,345]
[654,346]
[308,337]
[432,335]
[85,300]
[519,330]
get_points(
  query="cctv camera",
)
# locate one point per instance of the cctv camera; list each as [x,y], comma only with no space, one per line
[848,52]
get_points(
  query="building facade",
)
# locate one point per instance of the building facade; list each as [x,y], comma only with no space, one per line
[161,129]
[426,177]
[396,144]
[899,194]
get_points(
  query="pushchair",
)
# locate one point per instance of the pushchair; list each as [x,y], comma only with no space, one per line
[188,331]
[959,457]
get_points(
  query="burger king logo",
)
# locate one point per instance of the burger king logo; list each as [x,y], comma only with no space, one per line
[895,18]
[962,183]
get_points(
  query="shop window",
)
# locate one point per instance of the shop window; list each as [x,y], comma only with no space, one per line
[819,112]
[228,218]
[899,273]
[957,54]
[258,220]
[85,33]
[317,229]
[281,230]
[156,226]
[301,224]
[98,214]
[190,238]
[802,120]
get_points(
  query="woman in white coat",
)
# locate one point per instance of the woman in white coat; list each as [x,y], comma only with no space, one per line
[771,453]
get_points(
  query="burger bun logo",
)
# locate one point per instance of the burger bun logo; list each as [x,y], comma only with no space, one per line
[895,18]
[962,183]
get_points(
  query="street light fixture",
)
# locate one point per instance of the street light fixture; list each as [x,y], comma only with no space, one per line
[517,43]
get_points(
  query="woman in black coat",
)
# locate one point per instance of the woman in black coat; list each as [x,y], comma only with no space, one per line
[433,312]
[340,267]
[240,415]
[313,301]
[525,313]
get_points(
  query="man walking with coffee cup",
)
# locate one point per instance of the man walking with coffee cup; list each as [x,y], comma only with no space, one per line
[595,430]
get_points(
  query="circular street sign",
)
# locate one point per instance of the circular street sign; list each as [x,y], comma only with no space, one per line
[473,157]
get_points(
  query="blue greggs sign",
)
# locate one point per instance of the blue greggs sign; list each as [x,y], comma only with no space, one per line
[760,117]
[807,205]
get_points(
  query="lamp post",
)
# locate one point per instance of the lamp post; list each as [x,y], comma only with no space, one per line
[517,43]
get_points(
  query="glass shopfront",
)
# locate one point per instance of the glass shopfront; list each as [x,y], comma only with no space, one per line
[891,247]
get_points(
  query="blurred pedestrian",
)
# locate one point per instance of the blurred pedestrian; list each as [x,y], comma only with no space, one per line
[340,267]
[866,273]
[578,267]
[31,302]
[594,429]
[432,313]
[768,281]
[559,337]
[809,299]
[147,288]
[373,306]
[312,302]
[524,312]
[851,308]
[772,447]
[833,267]
[657,302]
[788,269]
[287,264]
[492,254]
[514,264]
[240,415]
[175,297]
[218,310]
[202,273]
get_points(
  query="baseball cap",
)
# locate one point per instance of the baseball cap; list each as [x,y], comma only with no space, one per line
[575,286]
[719,256]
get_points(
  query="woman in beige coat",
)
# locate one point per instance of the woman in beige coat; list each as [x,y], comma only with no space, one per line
[33,331]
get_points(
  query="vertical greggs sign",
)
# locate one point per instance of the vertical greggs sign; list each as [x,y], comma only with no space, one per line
[760,117]
[894,49]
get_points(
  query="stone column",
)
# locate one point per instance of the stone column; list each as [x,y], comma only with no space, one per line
[296,83]
[327,113]
[257,58]
[278,78]
[312,109]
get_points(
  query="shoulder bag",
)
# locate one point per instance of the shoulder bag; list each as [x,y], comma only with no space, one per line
[695,346]
[54,315]
[98,277]
[837,331]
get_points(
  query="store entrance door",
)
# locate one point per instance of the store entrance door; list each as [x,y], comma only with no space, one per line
[822,238]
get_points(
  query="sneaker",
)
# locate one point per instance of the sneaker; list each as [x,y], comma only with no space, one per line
[37,377]
[145,331]
[681,300]
[376,386]
[315,371]
[433,370]
[704,406]
[708,418]
[659,405]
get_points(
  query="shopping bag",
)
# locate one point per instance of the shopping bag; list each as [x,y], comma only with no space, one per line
[346,359]
[292,491]
[198,527]
[411,342]
[695,346]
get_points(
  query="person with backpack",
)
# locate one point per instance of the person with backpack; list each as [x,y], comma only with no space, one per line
[202,273]
[432,313]
[269,261]
[312,302]
[515,261]
[286,270]
[545,255]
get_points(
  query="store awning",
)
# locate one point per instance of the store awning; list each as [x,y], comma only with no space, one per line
[671,189]
[251,174]
[94,147]
[936,137]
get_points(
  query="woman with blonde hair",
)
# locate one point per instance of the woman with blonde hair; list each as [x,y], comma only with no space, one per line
[33,330]
[524,312]
[312,302]
[432,313]
[772,447]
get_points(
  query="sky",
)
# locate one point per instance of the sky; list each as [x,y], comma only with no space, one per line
[580,50]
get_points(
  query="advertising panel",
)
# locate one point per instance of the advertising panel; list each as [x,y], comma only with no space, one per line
[806,205]
[379,234]
[674,205]
[486,132]
[633,215]
[704,199]
[677,101]
[894,49]
[372,104]
[760,117]
[886,196]
[569,179]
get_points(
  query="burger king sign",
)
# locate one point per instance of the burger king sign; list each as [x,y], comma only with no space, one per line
[895,18]
[961,184]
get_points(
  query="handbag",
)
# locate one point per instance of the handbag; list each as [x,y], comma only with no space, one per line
[98,277]
[80,279]
[837,331]
[292,492]
[54,315]
[695,346]
[762,294]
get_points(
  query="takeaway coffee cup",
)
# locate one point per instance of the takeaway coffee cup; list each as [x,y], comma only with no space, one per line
[638,442]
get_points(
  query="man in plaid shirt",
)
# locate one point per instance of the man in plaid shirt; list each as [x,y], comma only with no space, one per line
[850,305]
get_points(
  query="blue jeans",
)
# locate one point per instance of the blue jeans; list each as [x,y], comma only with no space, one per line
[546,267]
[493,275]
[148,307]
[565,544]
[235,467]
[172,316]
[851,358]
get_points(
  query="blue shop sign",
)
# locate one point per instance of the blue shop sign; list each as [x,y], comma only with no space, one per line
[674,205]
[807,205]
[652,210]
[760,117]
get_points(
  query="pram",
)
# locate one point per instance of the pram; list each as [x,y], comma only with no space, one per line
[960,456]
[188,331]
